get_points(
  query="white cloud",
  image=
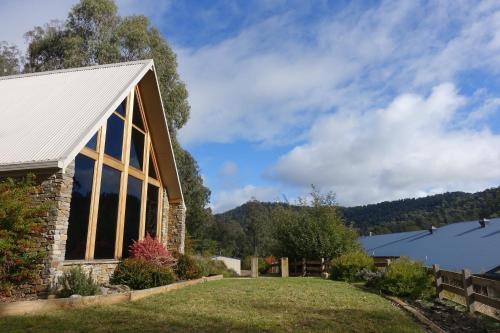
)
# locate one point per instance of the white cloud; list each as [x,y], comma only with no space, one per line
[225,200]
[271,81]
[409,148]
[228,169]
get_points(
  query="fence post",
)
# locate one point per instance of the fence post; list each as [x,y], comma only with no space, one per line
[255,267]
[439,281]
[284,267]
[468,290]
[322,266]
[304,268]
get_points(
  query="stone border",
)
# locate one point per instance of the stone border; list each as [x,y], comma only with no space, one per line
[46,305]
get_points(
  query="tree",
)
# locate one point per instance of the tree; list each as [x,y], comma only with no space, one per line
[10,59]
[315,231]
[94,34]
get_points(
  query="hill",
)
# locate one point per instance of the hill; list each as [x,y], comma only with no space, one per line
[393,216]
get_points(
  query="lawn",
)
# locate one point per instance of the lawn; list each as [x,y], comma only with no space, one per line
[233,305]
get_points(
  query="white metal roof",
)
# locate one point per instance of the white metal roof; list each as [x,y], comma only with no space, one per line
[47,118]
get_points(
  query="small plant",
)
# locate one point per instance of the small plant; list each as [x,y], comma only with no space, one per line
[407,278]
[151,250]
[138,273]
[76,282]
[348,266]
[187,268]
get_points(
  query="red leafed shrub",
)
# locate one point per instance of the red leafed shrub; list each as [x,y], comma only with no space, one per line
[269,260]
[151,250]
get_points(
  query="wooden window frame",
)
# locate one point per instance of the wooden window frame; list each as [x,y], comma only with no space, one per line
[126,170]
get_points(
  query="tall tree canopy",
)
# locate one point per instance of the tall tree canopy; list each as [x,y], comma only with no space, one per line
[10,59]
[95,34]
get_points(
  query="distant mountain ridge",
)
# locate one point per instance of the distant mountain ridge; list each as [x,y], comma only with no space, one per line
[399,215]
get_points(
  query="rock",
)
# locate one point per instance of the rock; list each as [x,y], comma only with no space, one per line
[117,288]
[104,290]
[75,296]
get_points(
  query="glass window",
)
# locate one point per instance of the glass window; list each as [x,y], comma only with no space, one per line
[121,109]
[132,214]
[137,149]
[92,144]
[151,210]
[108,213]
[79,208]
[136,116]
[114,137]
[152,170]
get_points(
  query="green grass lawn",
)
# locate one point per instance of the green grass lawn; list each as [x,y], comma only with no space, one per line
[232,305]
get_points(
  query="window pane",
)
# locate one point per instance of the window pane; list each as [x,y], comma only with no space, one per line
[80,207]
[136,116]
[114,137]
[152,210]
[132,214]
[137,149]
[107,214]
[92,144]
[121,109]
[152,171]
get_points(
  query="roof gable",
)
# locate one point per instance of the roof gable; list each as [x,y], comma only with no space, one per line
[48,117]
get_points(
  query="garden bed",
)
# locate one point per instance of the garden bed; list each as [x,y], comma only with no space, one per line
[453,317]
[46,305]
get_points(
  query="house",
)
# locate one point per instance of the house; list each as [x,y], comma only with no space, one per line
[231,263]
[97,140]
[474,245]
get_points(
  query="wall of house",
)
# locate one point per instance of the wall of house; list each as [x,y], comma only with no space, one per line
[56,187]
[176,232]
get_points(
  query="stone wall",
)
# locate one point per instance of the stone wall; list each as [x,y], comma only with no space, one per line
[101,269]
[176,227]
[55,186]
[164,219]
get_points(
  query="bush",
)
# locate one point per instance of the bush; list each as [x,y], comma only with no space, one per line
[187,268]
[407,278]
[20,224]
[151,250]
[76,282]
[138,273]
[349,265]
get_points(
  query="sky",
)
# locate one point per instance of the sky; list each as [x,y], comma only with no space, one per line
[373,100]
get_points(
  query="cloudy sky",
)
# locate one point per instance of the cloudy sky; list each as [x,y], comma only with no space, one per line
[375,101]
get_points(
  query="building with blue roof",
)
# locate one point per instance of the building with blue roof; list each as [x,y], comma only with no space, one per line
[474,245]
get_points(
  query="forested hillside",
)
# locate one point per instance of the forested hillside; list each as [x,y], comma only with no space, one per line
[246,229]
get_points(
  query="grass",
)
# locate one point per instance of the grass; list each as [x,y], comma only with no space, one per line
[233,305]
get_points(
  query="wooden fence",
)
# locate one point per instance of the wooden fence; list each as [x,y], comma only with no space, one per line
[478,293]
[309,267]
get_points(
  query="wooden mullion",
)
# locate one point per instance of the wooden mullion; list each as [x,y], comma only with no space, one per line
[136,173]
[90,153]
[96,189]
[159,214]
[113,162]
[122,198]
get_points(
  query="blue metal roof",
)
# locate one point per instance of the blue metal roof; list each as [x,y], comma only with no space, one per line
[454,246]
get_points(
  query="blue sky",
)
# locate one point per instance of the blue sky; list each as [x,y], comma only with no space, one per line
[373,100]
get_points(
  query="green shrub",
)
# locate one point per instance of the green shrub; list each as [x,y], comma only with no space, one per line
[21,220]
[406,278]
[348,266]
[187,268]
[218,267]
[76,282]
[141,274]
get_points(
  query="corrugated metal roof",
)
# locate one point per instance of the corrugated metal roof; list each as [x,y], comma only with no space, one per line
[454,247]
[46,118]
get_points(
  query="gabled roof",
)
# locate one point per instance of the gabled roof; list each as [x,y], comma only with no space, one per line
[454,247]
[46,118]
